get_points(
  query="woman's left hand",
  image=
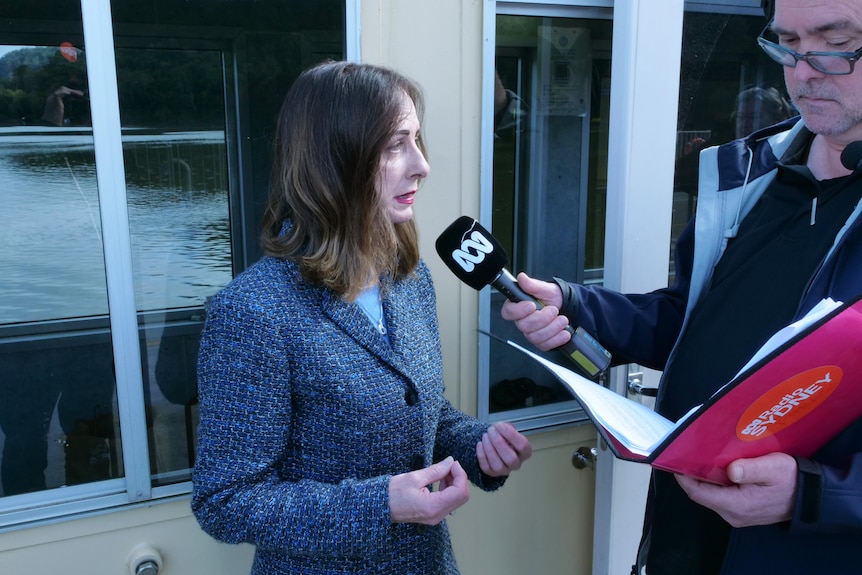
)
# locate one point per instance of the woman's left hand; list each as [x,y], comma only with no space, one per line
[502,450]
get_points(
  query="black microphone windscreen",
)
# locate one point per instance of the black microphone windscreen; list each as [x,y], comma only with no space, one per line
[851,157]
[471,252]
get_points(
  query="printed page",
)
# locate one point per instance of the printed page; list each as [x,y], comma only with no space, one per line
[634,425]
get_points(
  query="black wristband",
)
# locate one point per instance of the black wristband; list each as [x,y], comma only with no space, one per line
[810,488]
[570,306]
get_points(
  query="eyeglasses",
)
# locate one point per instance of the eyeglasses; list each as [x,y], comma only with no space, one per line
[832,63]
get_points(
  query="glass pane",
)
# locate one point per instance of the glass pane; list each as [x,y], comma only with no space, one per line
[174,149]
[550,150]
[58,413]
[200,85]
[198,106]
[728,88]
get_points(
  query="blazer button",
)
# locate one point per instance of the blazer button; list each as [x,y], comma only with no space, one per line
[410,396]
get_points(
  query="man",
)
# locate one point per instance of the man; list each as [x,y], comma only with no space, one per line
[55,105]
[777,229]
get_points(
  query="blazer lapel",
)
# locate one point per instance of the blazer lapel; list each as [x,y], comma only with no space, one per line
[409,330]
[354,322]
[399,320]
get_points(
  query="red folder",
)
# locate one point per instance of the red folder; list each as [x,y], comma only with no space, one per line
[793,400]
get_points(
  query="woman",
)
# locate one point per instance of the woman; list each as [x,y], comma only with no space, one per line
[323,420]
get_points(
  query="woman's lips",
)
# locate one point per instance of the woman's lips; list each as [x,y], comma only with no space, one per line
[406,198]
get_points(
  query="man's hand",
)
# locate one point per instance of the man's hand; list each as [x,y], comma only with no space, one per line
[502,450]
[544,328]
[411,500]
[763,491]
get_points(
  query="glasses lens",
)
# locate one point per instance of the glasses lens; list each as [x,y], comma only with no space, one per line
[830,64]
[777,53]
[825,63]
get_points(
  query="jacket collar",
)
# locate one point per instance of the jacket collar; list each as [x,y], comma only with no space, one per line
[400,319]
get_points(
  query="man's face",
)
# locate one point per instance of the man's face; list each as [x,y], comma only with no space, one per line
[830,105]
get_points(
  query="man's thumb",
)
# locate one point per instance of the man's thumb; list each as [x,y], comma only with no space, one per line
[757,469]
[736,472]
[526,282]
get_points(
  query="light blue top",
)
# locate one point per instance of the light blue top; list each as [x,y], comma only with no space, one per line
[369,301]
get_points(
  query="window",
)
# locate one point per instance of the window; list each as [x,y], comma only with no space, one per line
[549,151]
[549,147]
[728,88]
[106,286]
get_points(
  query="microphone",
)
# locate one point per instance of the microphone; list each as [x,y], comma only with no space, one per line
[478,259]
[851,156]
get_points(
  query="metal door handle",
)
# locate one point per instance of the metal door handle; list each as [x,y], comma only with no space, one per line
[584,457]
[636,386]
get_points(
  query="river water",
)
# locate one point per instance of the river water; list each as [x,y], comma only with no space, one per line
[51,258]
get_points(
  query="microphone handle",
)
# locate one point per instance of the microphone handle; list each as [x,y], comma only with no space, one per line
[581,348]
[506,283]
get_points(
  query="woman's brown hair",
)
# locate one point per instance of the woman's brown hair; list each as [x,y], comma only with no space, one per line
[324,211]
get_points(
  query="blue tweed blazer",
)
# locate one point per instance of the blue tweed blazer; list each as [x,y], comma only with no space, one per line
[306,413]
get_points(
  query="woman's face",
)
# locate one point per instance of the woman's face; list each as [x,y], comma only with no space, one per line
[402,166]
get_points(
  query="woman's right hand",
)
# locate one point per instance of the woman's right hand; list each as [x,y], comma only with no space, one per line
[412,501]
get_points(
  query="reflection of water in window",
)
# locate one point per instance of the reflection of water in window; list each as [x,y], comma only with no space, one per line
[51,254]
[178,215]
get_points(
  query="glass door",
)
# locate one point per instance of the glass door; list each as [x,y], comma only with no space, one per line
[551,78]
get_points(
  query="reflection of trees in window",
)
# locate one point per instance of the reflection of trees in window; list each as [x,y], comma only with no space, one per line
[29,75]
[156,87]
[176,88]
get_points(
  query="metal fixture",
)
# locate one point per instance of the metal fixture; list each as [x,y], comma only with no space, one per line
[636,385]
[145,560]
[584,457]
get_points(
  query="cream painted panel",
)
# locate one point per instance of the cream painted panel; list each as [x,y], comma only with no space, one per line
[640,184]
[100,545]
[439,44]
[539,522]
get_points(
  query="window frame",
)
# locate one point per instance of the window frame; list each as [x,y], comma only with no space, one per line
[135,487]
[555,415]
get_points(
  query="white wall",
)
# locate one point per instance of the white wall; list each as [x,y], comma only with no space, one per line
[541,520]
